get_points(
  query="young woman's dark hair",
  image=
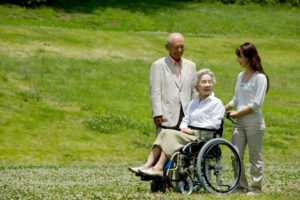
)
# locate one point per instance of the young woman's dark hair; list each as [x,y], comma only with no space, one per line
[250,52]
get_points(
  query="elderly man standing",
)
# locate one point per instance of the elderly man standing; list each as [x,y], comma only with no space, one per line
[171,87]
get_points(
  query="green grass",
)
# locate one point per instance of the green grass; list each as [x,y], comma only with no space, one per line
[116,182]
[74,93]
[60,85]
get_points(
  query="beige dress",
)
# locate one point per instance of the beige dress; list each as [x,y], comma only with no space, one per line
[172,141]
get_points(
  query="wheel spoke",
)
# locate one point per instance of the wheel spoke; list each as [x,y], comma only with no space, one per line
[219,165]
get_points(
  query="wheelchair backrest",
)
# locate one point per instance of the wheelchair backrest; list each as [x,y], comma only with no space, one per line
[219,132]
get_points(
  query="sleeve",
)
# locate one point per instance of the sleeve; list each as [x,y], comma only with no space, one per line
[233,103]
[155,90]
[260,92]
[217,115]
[186,120]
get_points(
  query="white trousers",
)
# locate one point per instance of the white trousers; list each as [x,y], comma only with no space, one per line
[250,130]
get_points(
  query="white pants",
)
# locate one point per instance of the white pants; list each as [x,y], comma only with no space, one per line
[250,130]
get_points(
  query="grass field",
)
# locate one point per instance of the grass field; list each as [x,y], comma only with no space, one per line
[74,96]
[114,182]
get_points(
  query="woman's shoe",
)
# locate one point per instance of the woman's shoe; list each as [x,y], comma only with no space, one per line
[152,172]
[136,169]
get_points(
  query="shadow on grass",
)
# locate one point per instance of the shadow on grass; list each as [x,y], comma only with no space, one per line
[88,6]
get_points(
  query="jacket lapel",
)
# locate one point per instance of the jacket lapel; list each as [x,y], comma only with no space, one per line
[183,72]
[171,70]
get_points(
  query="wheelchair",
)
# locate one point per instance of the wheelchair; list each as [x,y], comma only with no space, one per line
[210,162]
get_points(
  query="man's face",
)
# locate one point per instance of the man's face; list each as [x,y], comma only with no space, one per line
[176,48]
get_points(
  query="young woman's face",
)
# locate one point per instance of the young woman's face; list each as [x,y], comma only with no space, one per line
[205,86]
[244,62]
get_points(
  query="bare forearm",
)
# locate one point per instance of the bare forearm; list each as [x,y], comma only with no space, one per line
[245,111]
[227,107]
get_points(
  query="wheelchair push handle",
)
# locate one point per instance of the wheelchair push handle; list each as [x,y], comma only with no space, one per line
[228,117]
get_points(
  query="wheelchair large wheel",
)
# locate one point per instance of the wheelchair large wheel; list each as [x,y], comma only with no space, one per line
[218,166]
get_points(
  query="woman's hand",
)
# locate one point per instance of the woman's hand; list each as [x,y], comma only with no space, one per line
[187,131]
[234,114]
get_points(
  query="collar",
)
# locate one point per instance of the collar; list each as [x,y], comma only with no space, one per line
[175,63]
[212,94]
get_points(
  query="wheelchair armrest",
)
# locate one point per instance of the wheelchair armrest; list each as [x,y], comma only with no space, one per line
[204,129]
[218,132]
[172,128]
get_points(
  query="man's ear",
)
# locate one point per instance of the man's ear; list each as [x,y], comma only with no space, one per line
[167,47]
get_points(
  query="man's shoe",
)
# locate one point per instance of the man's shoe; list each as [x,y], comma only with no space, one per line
[152,172]
[136,170]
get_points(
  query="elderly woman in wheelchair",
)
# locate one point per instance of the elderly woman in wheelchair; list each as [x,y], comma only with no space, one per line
[195,159]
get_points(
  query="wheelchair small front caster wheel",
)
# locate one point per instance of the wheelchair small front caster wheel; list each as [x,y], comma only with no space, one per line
[158,186]
[197,188]
[186,186]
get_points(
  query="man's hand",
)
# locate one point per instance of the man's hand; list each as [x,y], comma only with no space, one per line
[158,120]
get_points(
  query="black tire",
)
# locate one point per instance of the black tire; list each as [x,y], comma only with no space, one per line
[186,186]
[158,186]
[218,166]
[197,188]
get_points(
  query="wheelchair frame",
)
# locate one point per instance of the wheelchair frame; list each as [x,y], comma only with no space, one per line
[191,168]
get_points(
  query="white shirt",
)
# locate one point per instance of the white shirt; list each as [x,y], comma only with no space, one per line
[207,113]
[251,93]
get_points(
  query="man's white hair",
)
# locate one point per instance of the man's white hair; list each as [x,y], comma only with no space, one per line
[171,36]
[202,72]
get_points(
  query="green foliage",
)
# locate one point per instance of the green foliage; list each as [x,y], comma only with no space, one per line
[90,3]
[245,2]
[206,20]
[29,2]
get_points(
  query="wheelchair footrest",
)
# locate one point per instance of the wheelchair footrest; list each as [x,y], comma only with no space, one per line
[149,178]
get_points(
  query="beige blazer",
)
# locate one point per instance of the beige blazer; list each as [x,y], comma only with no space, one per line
[166,94]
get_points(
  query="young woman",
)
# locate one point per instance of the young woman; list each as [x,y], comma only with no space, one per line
[251,87]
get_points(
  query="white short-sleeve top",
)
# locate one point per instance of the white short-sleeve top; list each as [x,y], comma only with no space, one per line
[251,93]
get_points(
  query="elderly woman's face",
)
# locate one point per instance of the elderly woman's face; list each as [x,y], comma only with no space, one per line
[205,86]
